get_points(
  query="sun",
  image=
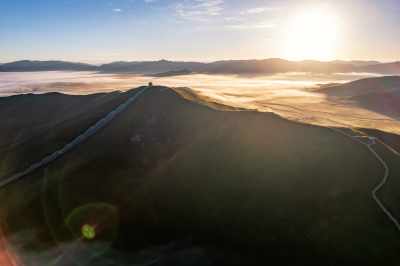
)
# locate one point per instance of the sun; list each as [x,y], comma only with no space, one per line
[312,34]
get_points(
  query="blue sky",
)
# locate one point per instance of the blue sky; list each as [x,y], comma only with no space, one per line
[205,30]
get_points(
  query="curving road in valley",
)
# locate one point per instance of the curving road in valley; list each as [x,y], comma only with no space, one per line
[369,144]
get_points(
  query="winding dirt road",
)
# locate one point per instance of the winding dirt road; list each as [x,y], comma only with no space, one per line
[371,141]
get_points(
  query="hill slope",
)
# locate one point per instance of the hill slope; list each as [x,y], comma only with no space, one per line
[182,184]
[36,125]
[381,94]
[383,68]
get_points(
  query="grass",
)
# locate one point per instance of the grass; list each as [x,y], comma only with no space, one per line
[246,187]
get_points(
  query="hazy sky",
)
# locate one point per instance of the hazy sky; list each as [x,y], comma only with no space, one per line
[205,30]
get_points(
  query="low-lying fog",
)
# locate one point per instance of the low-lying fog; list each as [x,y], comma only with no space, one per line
[292,95]
[89,82]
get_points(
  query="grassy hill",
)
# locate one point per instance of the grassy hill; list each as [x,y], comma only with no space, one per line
[380,94]
[173,182]
[35,125]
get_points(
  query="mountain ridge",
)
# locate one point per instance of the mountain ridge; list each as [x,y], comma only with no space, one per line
[251,66]
[51,65]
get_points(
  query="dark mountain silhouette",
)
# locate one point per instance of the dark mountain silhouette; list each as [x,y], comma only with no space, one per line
[27,65]
[267,66]
[245,67]
[173,73]
[150,67]
[385,68]
[275,65]
[357,62]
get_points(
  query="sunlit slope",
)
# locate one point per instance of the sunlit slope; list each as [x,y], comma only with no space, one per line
[238,187]
[33,126]
[367,103]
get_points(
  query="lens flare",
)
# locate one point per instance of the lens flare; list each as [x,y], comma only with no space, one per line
[88,231]
[95,221]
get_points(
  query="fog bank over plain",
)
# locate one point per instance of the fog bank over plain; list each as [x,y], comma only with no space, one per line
[295,96]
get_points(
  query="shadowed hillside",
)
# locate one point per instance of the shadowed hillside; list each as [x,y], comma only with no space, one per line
[381,94]
[383,68]
[172,182]
[33,126]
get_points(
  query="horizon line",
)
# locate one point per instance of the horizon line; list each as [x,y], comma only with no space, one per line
[91,62]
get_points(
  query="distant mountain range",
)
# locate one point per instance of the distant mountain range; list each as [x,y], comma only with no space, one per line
[245,67]
[26,66]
